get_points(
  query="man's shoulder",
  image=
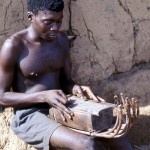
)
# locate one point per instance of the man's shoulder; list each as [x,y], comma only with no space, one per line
[15,40]
[11,48]
[17,37]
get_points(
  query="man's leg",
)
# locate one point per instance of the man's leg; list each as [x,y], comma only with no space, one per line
[64,138]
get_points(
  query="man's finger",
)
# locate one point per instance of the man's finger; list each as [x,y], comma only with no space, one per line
[63,108]
[100,99]
[90,93]
[63,94]
[79,91]
[62,115]
[68,116]
[61,99]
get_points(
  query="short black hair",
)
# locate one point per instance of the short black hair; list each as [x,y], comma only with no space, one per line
[41,5]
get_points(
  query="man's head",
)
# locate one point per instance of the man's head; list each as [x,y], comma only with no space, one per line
[45,5]
[46,17]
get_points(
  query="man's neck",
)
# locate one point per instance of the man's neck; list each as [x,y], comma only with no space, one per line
[33,35]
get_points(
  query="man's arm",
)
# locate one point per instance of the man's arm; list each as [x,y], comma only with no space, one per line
[67,84]
[8,60]
[66,80]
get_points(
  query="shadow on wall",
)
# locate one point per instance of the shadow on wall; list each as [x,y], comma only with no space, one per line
[134,83]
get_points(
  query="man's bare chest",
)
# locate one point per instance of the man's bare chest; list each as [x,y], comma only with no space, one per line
[41,61]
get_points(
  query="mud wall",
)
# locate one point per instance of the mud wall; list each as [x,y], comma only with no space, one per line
[111,53]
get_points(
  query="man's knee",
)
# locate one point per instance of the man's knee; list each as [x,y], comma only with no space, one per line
[85,143]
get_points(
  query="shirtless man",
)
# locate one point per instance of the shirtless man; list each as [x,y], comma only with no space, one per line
[35,63]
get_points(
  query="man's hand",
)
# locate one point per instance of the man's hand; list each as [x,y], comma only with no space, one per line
[58,99]
[85,92]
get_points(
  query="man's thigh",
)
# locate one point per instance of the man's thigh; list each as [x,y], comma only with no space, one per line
[34,127]
[65,138]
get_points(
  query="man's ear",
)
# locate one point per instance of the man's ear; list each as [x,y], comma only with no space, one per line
[30,16]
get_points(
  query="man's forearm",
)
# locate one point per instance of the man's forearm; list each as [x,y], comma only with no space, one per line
[16,100]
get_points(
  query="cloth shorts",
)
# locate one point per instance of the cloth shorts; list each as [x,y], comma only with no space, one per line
[33,126]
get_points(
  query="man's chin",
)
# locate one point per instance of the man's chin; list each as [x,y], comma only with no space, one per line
[49,38]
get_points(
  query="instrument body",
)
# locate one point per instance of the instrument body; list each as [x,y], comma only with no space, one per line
[88,115]
[103,120]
